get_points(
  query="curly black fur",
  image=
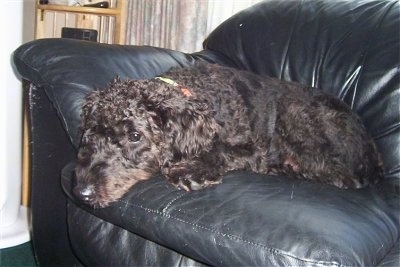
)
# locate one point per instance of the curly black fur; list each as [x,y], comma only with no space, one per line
[215,120]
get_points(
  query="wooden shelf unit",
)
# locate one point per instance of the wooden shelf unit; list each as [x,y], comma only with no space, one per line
[109,22]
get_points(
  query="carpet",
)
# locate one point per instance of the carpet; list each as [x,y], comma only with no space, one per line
[19,256]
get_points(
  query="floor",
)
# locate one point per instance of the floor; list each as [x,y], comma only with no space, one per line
[19,256]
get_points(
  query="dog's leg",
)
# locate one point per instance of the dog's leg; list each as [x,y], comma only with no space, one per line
[326,142]
[191,175]
[194,174]
[291,164]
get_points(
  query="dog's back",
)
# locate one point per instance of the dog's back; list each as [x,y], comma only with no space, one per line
[294,129]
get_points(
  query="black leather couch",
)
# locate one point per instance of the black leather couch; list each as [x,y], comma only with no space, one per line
[347,48]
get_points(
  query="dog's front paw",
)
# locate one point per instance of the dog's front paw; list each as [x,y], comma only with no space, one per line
[190,184]
[190,179]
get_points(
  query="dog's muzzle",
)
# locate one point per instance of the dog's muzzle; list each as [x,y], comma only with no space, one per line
[85,193]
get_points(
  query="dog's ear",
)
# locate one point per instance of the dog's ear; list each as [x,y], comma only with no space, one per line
[187,122]
[189,127]
[88,108]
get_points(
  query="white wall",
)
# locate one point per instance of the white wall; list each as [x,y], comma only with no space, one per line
[219,11]
[13,217]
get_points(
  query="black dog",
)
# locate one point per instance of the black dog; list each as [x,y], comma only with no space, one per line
[196,124]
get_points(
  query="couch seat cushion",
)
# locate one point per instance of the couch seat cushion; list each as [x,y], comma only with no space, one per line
[253,219]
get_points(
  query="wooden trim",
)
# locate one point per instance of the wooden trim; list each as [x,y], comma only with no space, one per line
[81,9]
[120,22]
[25,196]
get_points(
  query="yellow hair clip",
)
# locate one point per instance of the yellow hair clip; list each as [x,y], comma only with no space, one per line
[185,91]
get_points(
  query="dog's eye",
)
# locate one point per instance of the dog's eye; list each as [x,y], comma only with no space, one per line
[134,137]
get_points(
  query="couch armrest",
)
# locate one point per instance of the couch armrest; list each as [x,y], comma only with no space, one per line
[68,69]
[49,150]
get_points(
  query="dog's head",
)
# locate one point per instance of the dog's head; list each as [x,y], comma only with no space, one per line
[129,130]
[120,144]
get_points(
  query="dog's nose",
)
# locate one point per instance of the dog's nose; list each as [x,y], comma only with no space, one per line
[84,193]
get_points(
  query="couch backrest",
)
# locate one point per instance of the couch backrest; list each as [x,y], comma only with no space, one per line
[347,48]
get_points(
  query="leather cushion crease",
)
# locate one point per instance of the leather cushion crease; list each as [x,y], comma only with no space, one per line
[347,48]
